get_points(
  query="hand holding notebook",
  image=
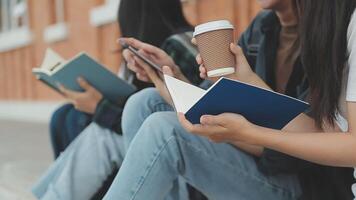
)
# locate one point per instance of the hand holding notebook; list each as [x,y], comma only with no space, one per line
[259,106]
[55,70]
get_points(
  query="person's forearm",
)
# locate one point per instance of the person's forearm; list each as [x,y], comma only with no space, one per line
[252,79]
[251,149]
[304,123]
[335,149]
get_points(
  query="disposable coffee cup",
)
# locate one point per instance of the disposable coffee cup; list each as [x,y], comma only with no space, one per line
[213,40]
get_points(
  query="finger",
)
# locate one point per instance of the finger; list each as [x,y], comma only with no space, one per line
[202,76]
[153,55]
[237,51]
[199,59]
[203,73]
[127,55]
[140,45]
[132,65]
[185,123]
[218,138]
[137,70]
[149,71]
[129,58]
[143,78]
[135,67]
[212,120]
[224,120]
[139,62]
[213,129]
[202,69]
[168,71]
[192,128]
[194,41]
[156,56]
[70,94]
[84,84]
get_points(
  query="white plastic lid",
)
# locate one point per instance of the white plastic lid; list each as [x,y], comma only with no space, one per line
[221,72]
[212,26]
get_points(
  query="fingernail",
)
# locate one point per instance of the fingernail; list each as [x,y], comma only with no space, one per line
[202,119]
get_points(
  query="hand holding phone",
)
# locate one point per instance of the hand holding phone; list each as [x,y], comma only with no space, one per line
[139,55]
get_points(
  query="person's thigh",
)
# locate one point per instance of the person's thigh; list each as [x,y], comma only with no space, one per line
[162,150]
[137,108]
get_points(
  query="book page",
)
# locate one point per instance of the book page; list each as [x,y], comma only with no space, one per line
[184,95]
[51,61]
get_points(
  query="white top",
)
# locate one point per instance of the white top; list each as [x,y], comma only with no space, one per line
[349,85]
[212,26]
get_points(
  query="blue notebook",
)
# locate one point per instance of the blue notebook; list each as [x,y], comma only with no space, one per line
[55,69]
[260,106]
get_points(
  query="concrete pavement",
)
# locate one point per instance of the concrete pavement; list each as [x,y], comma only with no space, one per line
[25,153]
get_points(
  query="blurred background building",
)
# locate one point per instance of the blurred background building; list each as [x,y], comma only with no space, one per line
[27,28]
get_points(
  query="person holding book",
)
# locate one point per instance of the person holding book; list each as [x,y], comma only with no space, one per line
[160,149]
[96,154]
[160,22]
[327,136]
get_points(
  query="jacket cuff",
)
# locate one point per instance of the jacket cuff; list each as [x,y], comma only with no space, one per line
[108,114]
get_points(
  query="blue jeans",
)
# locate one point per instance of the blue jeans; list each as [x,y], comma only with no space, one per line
[137,108]
[82,168]
[162,151]
[65,125]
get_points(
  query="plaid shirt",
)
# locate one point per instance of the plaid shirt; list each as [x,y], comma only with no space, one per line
[179,47]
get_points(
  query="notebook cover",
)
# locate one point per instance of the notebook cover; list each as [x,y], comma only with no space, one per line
[259,106]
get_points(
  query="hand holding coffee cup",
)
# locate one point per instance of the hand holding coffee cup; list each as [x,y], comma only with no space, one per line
[241,68]
[213,40]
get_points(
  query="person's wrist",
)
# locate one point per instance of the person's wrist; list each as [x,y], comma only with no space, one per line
[264,137]
[254,135]
[250,77]
[232,76]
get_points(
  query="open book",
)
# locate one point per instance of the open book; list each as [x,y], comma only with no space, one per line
[260,106]
[55,69]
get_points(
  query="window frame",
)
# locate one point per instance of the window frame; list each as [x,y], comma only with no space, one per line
[13,34]
[58,31]
[104,14]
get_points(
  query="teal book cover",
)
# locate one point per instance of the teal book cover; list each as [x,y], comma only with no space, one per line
[55,70]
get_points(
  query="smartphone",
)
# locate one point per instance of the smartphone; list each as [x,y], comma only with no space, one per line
[142,57]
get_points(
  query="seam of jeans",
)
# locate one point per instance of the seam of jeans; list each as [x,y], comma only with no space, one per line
[159,106]
[204,153]
[150,166]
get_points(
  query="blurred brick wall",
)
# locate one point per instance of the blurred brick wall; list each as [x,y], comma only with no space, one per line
[16,79]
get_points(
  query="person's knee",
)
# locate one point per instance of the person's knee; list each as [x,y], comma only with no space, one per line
[138,107]
[141,99]
[158,128]
[163,126]
[159,133]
